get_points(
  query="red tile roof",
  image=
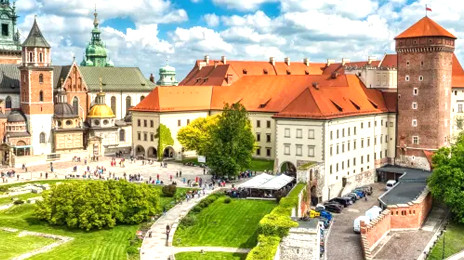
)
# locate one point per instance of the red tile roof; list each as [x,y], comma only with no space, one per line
[391,101]
[425,27]
[457,80]
[219,74]
[389,61]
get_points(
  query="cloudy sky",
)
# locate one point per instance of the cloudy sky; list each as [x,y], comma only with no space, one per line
[146,33]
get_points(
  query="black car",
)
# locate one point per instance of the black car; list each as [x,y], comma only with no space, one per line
[333,203]
[343,201]
[333,208]
[352,196]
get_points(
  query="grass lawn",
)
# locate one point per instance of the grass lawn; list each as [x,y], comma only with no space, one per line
[9,242]
[210,256]
[231,225]
[108,244]
[260,165]
[24,197]
[454,242]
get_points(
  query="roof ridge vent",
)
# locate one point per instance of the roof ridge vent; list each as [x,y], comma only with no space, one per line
[339,108]
[316,85]
[355,105]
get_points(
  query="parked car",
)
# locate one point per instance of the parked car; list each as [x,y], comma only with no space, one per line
[319,207]
[357,223]
[343,201]
[324,222]
[334,202]
[359,192]
[352,196]
[390,184]
[373,212]
[326,215]
[367,189]
[333,208]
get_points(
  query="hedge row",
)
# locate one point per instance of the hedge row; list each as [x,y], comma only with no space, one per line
[275,225]
[191,217]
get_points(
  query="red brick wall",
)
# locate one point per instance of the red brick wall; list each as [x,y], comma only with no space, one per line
[75,87]
[430,58]
[410,216]
[373,232]
[34,106]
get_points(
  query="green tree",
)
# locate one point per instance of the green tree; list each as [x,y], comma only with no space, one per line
[447,180]
[164,139]
[232,142]
[197,135]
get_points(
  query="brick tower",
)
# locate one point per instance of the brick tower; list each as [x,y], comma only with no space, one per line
[425,56]
[37,90]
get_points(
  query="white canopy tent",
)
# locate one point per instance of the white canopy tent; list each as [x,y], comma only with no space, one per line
[267,182]
[256,182]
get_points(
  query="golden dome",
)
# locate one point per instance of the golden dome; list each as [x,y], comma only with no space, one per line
[100,111]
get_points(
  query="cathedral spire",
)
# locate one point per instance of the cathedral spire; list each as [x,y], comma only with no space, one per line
[95,20]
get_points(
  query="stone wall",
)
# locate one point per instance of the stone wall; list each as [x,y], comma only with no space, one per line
[413,214]
[372,233]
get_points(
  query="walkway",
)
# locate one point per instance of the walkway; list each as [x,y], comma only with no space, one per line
[458,256]
[211,249]
[155,247]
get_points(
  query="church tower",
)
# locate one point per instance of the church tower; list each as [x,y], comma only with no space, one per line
[10,48]
[95,53]
[425,61]
[36,91]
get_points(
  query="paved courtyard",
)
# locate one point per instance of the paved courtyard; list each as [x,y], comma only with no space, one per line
[342,242]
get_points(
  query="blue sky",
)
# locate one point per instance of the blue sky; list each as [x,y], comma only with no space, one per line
[144,33]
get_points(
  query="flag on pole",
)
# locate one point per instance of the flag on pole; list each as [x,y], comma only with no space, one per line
[428,9]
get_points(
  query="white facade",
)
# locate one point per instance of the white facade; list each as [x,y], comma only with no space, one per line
[37,125]
[349,148]
[120,101]
[457,112]
[374,77]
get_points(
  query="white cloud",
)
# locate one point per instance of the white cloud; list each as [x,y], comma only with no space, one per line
[242,5]
[212,20]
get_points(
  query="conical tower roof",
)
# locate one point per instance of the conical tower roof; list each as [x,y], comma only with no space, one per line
[425,27]
[35,38]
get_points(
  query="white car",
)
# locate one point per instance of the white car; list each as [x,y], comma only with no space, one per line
[357,223]
[390,184]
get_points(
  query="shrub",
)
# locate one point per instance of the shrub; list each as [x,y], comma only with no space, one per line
[197,209]
[188,221]
[18,202]
[227,200]
[169,190]
[132,250]
[276,225]
[266,248]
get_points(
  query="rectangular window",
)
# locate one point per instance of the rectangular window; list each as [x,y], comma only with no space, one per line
[152,137]
[311,150]
[354,161]
[5,29]
[139,122]
[354,130]
[343,132]
[349,131]
[299,150]
[343,165]
[368,142]
[258,123]
[268,124]
[375,140]
[152,124]
[362,159]
[362,125]
[347,163]
[179,123]
[331,135]
[287,149]
[415,91]
[414,122]
[391,124]
[287,133]
[354,145]
[331,150]
[258,137]
[459,108]
[139,136]
[268,138]
[386,139]
[338,134]
[145,136]
[188,121]
[310,134]
[368,158]
[362,143]
[414,105]
[145,124]
[343,147]
[415,139]
[368,124]
[380,154]
[299,133]
[330,169]
[336,167]
[375,123]
[258,151]
[337,149]
[268,152]
[348,146]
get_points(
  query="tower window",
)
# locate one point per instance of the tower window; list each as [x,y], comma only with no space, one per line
[414,105]
[40,57]
[42,138]
[414,122]
[415,91]
[41,78]
[75,105]
[406,78]
[122,135]
[31,57]
[41,96]
[5,29]
[415,139]
[421,78]
[8,102]
[407,63]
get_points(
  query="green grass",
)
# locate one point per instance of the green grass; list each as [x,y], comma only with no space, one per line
[231,225]
[7,200]
[454,242]
[210,256]
[108,244]
[260,165]
[9,244]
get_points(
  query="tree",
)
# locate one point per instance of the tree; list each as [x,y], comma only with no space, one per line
[232,142]
[197,135]
[164,139]
[447,180]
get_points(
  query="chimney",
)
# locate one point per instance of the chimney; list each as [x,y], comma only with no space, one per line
[316,85]
[224,59]
[345,61]
[329,62]
[152,78]
[370,59]
[272,61]
[306,61]
[287,61]
[207,59]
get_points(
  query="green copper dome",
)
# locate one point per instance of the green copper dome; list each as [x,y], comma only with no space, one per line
[167,69]
[96,53]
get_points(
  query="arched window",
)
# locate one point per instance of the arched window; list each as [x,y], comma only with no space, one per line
[113,104]
[41,78]
[30,57]
[76,105]
[8,102]
[141,98]
[128,103]
[42,138]
[40,57]
[122,136]
[41,96]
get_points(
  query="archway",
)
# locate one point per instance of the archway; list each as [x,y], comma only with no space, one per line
[288,168]
[169,152]
[139,151]
[152,153]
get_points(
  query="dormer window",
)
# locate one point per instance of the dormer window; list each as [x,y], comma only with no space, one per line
[265,71]
[40,57]
[41,78]
[31,56]
[245,71]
